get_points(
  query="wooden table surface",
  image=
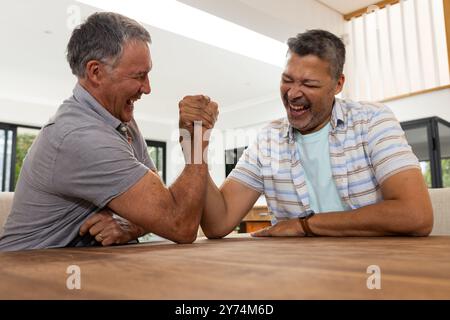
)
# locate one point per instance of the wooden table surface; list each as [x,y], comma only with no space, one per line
[238,267]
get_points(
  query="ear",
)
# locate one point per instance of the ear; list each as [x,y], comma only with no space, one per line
[339,84]
[95,72]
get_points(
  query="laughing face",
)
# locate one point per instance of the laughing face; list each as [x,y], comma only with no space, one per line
[307,90]
[127,81]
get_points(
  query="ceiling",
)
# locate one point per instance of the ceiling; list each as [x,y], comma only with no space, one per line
[34,70]
[346,6]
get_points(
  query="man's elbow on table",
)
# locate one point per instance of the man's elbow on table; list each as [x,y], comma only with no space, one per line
[185,233]
[421,220]
[214,232]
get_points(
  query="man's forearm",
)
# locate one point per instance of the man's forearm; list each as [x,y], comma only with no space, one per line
[214,219]
[188,195]
[389,217]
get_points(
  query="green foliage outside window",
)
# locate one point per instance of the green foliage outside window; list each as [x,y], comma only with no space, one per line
[445,164]
[24,141]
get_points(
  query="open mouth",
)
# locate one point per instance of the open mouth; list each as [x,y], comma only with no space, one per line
[298,110]
[130,102]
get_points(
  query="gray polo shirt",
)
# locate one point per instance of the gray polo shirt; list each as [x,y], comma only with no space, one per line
[79,162]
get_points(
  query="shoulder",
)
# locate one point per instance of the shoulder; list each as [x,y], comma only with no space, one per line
[73,122]
[275,129]
[364,109]
[364,116]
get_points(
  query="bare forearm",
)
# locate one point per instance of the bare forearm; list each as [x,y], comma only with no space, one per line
[226,207]
[389,217]
[213,220]
[188,196]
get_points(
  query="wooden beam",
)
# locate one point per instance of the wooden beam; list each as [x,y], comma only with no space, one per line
[447,28]
[360,12]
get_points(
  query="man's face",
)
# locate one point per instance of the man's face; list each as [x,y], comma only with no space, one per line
[127,81]
[307,90]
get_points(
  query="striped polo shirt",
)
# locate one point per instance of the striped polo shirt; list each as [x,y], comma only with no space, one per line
[366,146]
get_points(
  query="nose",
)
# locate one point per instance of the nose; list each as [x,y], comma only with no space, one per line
[146,89]
[294,92]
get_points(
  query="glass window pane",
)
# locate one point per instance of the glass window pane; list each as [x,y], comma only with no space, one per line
[2,155]
[156,152]
[426,172]
[160,162]
[418,140]
[25,138]
[9,142]
[444,139]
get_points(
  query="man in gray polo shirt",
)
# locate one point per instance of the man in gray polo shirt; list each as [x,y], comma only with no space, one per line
[91,160]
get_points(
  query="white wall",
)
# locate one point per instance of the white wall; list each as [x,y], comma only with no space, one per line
[436,103]
[27,113]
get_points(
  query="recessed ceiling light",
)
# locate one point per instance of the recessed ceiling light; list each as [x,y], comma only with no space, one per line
[176,17]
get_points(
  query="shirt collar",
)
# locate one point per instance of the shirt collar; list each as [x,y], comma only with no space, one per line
[337,120]
[337,115]
[85,98]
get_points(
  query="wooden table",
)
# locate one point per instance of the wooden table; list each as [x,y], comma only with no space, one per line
[238,267]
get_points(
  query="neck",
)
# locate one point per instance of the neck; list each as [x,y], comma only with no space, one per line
[94,92]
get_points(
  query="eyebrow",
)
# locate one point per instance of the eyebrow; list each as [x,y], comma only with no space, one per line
[140,73]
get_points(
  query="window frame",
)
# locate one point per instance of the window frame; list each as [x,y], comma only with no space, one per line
[14,128]
[163,145]
[434,144]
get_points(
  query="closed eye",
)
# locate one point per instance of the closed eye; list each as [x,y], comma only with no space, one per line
[140,76]
[286,80]
[310,85]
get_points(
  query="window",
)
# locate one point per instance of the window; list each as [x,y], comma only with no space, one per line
[157,152]
[7,155]
[15,140]
[444,141]
[396,50]
[25,137]
[232,157]
[430,142]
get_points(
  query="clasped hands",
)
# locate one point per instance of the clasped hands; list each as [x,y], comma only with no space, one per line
[197,109]
[198,114]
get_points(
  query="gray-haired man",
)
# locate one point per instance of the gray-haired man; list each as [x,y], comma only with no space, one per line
[91,157]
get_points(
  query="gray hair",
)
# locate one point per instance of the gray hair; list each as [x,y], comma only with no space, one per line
[322,44]
[102,37]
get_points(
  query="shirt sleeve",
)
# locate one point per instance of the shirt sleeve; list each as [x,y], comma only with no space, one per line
[248,169]
[389,150]
[144,157]
[96,166]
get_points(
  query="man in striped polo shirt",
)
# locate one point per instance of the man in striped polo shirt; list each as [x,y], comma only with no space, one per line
[331,168]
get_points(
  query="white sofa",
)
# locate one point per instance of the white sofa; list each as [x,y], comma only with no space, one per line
[440,199]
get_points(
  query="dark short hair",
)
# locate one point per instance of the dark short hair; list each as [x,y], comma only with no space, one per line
[322,44]
[102,37]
